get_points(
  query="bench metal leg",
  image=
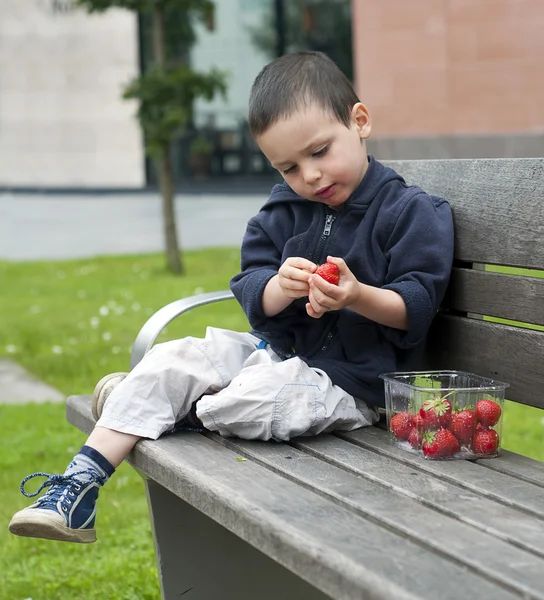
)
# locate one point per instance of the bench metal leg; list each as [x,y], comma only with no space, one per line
[199,559]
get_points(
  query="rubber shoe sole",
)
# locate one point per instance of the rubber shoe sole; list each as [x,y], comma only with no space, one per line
[99,397]
[48,525]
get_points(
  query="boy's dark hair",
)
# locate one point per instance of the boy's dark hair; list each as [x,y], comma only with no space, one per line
[296,80]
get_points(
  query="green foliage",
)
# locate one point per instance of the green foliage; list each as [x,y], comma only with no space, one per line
[201,146]
[203,8]
[165,99]
[165,93]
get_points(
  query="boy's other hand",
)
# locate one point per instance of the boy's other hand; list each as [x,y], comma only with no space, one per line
[293,276]
[324,296]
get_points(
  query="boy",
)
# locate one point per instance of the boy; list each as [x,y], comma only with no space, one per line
[312,360]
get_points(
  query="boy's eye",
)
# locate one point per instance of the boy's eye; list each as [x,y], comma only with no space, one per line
[289,170]
[321,151]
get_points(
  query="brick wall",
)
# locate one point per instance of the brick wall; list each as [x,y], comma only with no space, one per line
[451,67]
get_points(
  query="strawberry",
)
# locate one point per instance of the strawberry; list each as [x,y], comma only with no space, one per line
[401,425]
[329,272]
[436,413]
[419,423]
[415,438]
[486,441]
[440,444]
[462,425]
[487,412]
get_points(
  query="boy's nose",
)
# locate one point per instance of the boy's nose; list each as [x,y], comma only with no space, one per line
[311,175]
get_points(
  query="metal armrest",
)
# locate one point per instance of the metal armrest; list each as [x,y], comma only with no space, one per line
[158,321]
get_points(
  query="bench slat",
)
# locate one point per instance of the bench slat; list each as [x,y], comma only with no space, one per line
[331,547]
[464,473]
[482,512]
[487,196]
[496,295]
[516,465]
[494,557]
[510,354]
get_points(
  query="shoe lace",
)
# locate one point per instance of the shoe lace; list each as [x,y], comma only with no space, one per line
[61,486]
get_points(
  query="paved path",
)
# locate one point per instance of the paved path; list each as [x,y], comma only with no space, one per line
[34,227]
[18,386]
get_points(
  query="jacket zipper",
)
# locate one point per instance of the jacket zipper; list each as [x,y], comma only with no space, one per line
[329,220]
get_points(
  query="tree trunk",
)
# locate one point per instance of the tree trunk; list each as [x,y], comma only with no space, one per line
[166,184]
[164,159]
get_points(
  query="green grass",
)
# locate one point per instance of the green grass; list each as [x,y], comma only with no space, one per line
[69,323]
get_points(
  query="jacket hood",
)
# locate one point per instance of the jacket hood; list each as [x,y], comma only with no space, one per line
[376,176]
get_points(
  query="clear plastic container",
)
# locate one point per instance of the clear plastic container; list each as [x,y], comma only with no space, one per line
[444,414]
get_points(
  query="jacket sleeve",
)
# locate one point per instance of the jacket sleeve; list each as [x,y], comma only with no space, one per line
[260,261]
[420,256]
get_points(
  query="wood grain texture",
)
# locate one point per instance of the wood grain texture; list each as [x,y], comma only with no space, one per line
[497,205]
[517,466]
[341,552]
[502,352]
[496,295]
[466,474]
[489,555]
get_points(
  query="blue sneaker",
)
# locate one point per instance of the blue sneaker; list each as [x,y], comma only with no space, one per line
[66,512]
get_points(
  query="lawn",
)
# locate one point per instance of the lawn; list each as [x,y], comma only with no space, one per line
[69,323]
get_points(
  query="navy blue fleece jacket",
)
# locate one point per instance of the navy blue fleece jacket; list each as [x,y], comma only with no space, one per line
[391,235]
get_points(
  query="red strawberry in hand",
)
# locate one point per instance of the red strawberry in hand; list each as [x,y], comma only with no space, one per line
[486,441]
[401,425]
[436,413]
[440,444]
[462,425]
[329,272]
[487,412]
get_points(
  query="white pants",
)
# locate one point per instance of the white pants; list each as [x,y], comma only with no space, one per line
[244,392]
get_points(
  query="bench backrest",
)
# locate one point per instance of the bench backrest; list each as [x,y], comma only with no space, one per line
[498,208]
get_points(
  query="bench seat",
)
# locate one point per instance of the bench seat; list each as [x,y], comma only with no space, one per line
[335,515]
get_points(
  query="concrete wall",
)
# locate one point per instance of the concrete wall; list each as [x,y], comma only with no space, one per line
[62,122]
[464,72]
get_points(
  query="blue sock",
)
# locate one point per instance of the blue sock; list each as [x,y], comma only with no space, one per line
[90,459]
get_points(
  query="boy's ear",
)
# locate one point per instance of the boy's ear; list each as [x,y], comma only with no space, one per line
[360,117]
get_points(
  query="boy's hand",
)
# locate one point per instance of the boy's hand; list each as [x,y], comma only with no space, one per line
[293,277]
[325,296]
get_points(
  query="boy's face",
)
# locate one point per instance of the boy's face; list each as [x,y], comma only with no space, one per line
[320,158]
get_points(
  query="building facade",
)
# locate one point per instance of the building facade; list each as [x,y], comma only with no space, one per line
[455,78]
[62,121]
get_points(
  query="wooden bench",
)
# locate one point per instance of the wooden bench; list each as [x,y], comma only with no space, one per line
[350,516]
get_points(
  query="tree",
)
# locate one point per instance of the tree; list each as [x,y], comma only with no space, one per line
[165,92]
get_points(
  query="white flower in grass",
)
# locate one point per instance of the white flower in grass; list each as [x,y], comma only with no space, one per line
[127,295]
[119,310]
[34,310]
[106,336]
[81,294]
[112,304]
[199,290]
[104,311]
[135,307]
[94,322]
[56,350]
[11,349]
[116,350]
